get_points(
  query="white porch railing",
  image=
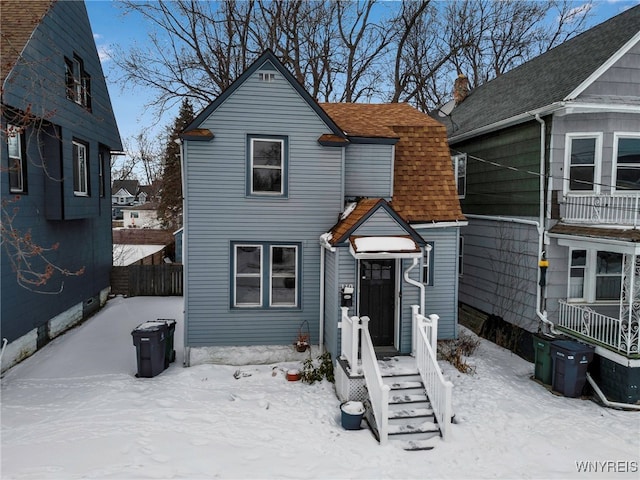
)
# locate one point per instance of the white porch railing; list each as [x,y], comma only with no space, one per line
[603,209]
[349,342]
[439,390]
[378,391]
[609,331]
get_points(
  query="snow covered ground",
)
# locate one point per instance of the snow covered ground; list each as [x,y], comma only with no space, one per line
[76,410]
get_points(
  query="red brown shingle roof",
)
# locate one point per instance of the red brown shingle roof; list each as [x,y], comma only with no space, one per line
[424,188]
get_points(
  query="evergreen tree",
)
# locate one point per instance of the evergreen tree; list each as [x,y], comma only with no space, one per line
[170,206]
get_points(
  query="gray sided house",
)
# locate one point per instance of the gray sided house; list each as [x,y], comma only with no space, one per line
[548,156]
[58,133]
[288,201]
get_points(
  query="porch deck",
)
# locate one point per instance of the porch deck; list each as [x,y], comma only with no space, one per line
[620,336]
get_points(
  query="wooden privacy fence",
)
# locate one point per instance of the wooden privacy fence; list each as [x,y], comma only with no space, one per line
[147,280]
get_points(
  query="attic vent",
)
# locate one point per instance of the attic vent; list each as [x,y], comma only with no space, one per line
[266,77]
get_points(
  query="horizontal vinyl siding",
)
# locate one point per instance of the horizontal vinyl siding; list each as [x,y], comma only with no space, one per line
[501,270]
[219,212]
[331,304]
[369,171]
[380,223]
[441,298]
[497,189]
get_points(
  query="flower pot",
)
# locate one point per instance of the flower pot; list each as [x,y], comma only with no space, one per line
[293,375]
[302,347]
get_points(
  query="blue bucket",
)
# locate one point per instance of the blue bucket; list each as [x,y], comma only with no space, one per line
[352,413]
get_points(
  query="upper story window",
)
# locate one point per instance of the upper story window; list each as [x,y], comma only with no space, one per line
[265,275]
[595,276]
[460,172]
[17,164]
[626,153]
[267,165]
[583,152]
[80,169]
[78,82]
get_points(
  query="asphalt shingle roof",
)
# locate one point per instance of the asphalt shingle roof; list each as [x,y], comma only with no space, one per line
[18,19]
[424,188]
[546,79]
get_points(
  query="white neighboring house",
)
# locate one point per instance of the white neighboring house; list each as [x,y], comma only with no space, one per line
[122,197]
[141,216]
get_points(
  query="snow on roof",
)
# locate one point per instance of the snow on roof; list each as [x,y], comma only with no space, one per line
[384,244]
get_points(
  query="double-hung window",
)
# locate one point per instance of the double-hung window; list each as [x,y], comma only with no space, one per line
[583,154]
[265,275]
[595,276]
[627,157]
[267,165]
[80,169]
[78,82]
[17,164]
[460,172]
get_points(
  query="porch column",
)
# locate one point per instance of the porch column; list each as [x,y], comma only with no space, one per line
[629,334]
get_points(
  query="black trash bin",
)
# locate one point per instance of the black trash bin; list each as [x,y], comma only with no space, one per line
[150,339]
[543,363]
[570,362]
[169,353]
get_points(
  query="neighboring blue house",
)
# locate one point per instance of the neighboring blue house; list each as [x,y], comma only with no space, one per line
[287,202]
[58,134]
[553,174]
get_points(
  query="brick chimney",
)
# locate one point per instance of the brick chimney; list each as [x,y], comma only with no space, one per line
[460,88]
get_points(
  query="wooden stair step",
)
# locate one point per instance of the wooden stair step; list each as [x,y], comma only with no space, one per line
[423,427]
[407,398]
[405,385]
[410,413]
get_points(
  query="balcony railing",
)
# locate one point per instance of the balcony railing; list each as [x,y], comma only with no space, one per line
[603,209]
[615,334]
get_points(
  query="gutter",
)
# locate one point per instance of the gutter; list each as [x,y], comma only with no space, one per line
[515,120]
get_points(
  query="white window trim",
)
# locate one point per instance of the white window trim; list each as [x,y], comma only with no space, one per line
[236,275]
[456,159]
[271,276]
[590,276]
[14,132]
[597,160]
[76,160]
[268,167]
[614,162]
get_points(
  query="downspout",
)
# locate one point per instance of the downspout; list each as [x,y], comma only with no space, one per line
[413,282]
[603,399]
[324,246]
[185,265]
[542,314]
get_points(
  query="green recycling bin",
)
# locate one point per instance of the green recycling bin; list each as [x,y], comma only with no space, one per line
[543,361]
